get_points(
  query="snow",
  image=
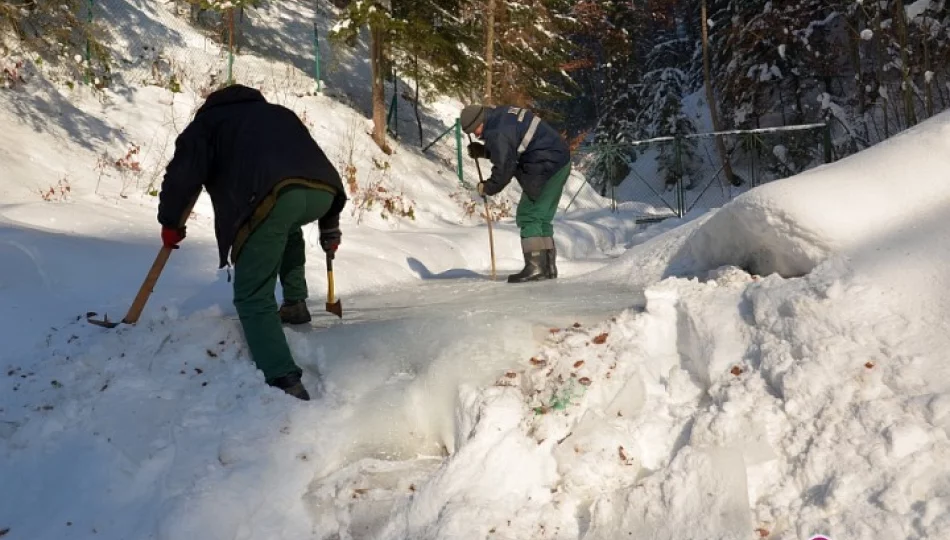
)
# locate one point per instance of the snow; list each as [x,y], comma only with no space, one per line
[916,9]
[774,367]
[867,34]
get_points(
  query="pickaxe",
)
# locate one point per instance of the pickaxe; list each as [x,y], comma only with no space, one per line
[148,285]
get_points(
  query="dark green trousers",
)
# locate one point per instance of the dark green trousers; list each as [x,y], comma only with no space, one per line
[535,217]
[275,248]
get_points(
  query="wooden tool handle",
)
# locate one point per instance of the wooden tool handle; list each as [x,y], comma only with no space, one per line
[135,310]
[330,292]
[491,237]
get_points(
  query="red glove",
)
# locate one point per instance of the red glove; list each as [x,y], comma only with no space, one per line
[171,237]
[330,241]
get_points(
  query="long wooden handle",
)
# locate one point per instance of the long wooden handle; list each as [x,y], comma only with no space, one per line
[135,311]
[145,291]
[491,233]
[491,237]
[330,292]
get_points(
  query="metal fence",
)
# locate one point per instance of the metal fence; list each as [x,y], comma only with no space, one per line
[671,176]
[279,47]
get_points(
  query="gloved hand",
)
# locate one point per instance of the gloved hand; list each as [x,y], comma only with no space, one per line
[481,189]
[171,237]
[330,240]
[477,150]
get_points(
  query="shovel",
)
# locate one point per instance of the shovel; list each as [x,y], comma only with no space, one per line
[334,307]
[491,233]
[148,285]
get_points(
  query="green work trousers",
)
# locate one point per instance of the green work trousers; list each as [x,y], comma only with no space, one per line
[534,217]
[275,247]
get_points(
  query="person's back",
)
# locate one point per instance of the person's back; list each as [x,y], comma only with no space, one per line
[267,178]
[520,145]
[245,146]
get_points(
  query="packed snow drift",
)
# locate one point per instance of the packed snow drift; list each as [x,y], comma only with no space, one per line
[774,368]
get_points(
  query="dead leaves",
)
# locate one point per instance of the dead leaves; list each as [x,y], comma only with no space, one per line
[600,339]
[507,379]
[578,364]
[869,365]
[585,381]
[538,362]
[736,370]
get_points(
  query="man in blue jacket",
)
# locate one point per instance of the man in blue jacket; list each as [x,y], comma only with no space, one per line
[520,145]
[266,178]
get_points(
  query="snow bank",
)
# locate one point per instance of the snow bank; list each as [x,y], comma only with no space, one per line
[731,405]
[781,375]
[890,193]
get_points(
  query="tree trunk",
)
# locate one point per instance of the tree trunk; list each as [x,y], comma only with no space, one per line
[379,89]
[907,85]
[489,50]
[711,101]
[928,73]
[881,60]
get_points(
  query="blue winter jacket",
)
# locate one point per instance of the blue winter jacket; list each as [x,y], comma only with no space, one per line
[545,154]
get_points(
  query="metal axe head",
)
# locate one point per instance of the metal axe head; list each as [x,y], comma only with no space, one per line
[335,308]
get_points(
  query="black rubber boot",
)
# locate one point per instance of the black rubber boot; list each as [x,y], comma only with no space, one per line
[292,386]
[550,251]
[535,268]
[550,264]
[295,312]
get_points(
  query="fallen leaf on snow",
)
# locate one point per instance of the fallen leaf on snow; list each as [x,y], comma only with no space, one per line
[600,340]
[537,361]
[585,381]
[511,374]
[736,370]
[869,365]
[578,364]
[762,532]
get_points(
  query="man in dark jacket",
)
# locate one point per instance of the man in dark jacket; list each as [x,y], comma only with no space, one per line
[520,145]
[267,178]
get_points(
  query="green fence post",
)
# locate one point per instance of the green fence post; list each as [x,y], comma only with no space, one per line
[230,46]
[88,67]
[752,155]
[458,147]
[680,191]
[392,118]
[316,56]
[829,154]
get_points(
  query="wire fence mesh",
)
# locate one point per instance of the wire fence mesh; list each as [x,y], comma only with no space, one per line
[671,176]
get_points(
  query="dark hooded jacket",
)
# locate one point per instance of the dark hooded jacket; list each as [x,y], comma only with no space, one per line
[239,147]
[546,154]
